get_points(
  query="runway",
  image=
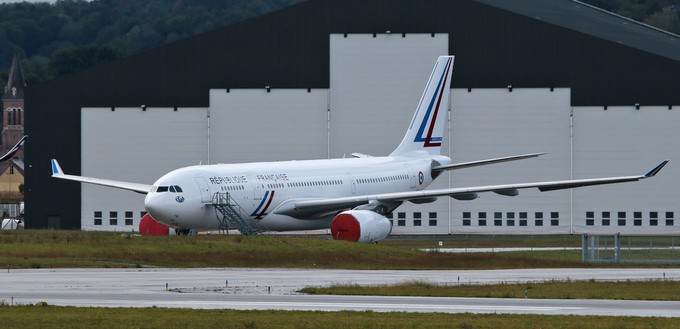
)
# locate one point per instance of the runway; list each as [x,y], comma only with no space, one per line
[269,289]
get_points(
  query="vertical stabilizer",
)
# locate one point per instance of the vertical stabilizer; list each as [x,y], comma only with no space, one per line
[427,127]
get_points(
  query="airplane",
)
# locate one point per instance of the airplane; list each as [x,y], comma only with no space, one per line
[14,149]
[351,196]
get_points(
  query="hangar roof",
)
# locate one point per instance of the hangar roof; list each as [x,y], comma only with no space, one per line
[587,19]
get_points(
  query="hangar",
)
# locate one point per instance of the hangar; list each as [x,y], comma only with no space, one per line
[323,79]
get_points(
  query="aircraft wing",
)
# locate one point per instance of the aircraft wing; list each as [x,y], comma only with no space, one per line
[57,172]
[304,208]
[14,149]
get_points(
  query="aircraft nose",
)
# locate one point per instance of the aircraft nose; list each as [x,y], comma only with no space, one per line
[154,205]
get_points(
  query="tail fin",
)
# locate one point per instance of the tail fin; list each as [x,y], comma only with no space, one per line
[427,127]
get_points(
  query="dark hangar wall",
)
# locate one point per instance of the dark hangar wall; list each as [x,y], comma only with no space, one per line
[290,49]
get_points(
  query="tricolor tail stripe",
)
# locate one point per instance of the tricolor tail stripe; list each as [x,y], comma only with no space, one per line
[426,130]
[264,205]
[431,117]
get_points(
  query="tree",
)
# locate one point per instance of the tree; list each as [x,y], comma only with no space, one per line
[70,60]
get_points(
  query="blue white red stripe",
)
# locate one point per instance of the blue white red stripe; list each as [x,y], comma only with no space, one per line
[430,115]
[261,209]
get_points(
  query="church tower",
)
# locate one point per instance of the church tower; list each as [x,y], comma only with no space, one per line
[13,108]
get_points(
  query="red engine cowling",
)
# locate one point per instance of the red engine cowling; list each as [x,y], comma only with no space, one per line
[360,226]
[149,226]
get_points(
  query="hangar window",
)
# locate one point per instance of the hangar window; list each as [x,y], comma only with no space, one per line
[511,222]
[538,215]
[401,215]
[417,215]
[669,218]
[510,215]
[128,218]
[97,218]
[523,215]
[622,218]
[590,218]
[481,215]
[637,218]
[401,222]
[433,222]
[433,214]
[498,222]
[653,218]
[416,222]
[554,218]
[538,222]
[466,218]
[113,218]
[497,215]
[606,215]
[482,222]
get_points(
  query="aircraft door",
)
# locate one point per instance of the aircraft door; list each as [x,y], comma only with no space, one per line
[205,190]
[411,174]
[258,189]
[352,183]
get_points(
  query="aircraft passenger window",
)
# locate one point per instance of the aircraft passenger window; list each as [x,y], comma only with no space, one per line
[172,189]
[162,189]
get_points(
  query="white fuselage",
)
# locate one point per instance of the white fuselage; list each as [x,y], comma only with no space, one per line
[259,188]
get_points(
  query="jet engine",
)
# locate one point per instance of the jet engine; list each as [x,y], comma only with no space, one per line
[360,226]
[149,226]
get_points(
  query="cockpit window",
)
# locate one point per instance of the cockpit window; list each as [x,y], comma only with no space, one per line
[161,189]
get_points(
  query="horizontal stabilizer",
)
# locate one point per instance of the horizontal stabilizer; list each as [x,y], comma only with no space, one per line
[477,163]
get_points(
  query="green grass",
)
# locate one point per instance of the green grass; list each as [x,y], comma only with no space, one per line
[79,249]
[628,290]
[47,317]
[74,249]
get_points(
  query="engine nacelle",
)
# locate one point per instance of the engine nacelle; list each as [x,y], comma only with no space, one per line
[149,226]
[360,226]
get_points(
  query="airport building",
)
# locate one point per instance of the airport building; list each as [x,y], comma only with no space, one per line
[323,79]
